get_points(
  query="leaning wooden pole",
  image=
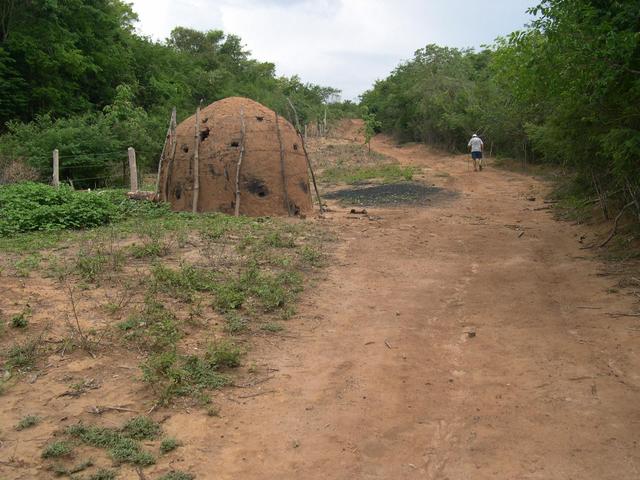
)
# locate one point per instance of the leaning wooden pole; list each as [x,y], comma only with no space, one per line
[196,162]
[167,142]
[306,155]
[243,133]
[171,160]
[282,167]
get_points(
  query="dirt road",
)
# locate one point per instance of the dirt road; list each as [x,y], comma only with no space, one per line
[444,344]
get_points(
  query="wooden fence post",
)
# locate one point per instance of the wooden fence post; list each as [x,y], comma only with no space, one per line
[306,154]
[133,170]
[283,174]
[196,163]
[56,168]
[243,132]
[168,141]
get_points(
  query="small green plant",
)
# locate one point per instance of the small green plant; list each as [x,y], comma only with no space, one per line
[371,125]
[24,355]
[177,475]
[103,474]
[229,296]
[25,265]
[276,240]
[21,320]
[154,328]
[152,249]
[213,411]
[272,327]
[234,323]
[27,422]
[311,256]
[172,375]
[141,428]
[122,444]
[61,470]
[169,445]
[57,450]
[224,353]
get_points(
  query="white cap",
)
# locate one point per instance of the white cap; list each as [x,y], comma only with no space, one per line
[475,134]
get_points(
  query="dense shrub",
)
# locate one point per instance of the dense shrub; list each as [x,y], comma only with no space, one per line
[26,207]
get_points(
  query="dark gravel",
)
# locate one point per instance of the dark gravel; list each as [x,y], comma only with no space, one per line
[409,193]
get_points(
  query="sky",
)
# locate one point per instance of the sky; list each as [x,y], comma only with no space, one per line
[346,44]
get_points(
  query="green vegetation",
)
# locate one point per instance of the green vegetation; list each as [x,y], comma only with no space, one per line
[177,475]
[27,422]
[371,125]
[57,449]
[173,375]
[103,474]
[169,445]
[21,320]
[60,470]
[353,174]
[27,206]
[235,323]
[23,356]
[272,327]
[122,444]
[564,91]
[105,88]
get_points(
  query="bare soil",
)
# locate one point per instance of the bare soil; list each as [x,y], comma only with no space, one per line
[467,339]
[445,345]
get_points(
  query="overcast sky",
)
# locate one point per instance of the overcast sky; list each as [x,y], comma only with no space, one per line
[347,44]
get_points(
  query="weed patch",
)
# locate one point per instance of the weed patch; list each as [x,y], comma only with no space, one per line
[24,356]
[385,173]
[235,323]
[154,328]
[121,444]
[177,475]
[169,445]
[27,422]
[172,375]
[57,450]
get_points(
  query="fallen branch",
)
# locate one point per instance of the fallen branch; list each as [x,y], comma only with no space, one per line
[616,315]
[257,394]
[386,342]
[615,224]
[253,384]
[99,410]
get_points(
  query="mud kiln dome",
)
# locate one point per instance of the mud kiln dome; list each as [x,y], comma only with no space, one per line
[273,177]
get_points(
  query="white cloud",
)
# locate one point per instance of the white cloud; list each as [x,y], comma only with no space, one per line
[347,44]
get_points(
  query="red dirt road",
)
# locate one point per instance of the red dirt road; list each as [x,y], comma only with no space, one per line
[382,378]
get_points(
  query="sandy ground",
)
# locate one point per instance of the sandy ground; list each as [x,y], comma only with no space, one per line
[465,339]
[386,379]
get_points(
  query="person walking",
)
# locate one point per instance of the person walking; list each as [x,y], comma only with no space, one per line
[476,145]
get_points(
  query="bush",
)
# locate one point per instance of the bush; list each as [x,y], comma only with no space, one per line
[31,206]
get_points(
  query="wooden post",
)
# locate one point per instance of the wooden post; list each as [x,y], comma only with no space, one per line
[324,128]
[196,162]
[133,170]
[172,156]
[56,168]
[243,133]
[282,167]
[167,141]
[306,155]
